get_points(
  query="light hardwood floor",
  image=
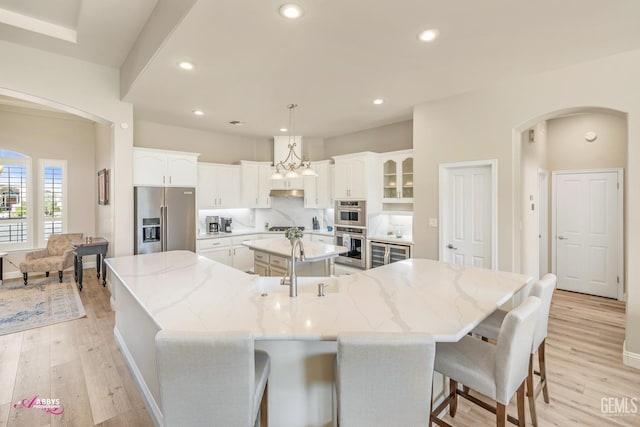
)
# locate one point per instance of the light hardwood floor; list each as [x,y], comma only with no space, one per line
[79,363]
[584,366]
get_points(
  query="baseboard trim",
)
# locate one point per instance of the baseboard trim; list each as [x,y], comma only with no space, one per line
[149,401]
[629,358]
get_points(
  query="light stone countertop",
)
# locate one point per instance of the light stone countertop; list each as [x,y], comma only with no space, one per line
[313,251]
[404,240]
[181,290]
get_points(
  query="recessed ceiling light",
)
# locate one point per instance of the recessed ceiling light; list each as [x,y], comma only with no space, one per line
[186,65]
[428,35]
[378,101]
[283,129]
[198,112]
[291,11]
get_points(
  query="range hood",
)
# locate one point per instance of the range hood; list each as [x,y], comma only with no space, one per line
[286,193]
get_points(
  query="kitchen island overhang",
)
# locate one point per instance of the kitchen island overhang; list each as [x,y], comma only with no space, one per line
[181,290]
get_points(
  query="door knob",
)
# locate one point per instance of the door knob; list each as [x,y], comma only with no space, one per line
[562,238]
[450,246]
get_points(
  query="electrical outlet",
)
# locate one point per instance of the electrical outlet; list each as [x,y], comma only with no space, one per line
[433,222]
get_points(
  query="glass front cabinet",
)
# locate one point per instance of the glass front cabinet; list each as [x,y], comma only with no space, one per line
[397,177]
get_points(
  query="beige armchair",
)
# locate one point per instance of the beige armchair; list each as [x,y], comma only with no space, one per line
[58,256]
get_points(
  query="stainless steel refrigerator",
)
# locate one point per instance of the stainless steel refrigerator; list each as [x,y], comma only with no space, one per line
[165,219]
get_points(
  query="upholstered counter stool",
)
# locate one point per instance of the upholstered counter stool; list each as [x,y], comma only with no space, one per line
[490,328]
[496,371]
[384,380]
[211,379]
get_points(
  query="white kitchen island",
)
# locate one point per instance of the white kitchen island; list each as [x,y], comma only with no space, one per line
[184,291]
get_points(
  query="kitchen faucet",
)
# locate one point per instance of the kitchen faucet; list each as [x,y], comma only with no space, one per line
[292,280]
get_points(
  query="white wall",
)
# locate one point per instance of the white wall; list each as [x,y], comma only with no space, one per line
[533,157]
[214,147]
[569,150]
[393,137]
[487,124]
[49,136]
[90,91]
[104,213]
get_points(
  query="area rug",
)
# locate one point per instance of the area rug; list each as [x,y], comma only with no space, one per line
[38,304]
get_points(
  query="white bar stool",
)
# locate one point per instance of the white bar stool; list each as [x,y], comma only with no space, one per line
[384,380]
[496,371]
[211,379]
[490,328]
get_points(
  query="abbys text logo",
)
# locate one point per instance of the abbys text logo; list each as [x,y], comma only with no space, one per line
[619,406]
[48,405]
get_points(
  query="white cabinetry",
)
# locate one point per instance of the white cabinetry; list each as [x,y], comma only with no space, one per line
[397,176]
[317,190]
[275,265]
[229,251]
[163,168]
[355,176]
[218,186]
[242,258]
[256,184]
[329,240]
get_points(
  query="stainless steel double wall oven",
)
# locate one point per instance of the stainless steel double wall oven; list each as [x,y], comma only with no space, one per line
[351,231]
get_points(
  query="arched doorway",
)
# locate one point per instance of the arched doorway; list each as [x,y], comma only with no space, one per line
[67,146]
[556,143]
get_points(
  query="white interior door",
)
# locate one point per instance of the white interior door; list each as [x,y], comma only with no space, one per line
[543,222]
[588,220]
[466,216]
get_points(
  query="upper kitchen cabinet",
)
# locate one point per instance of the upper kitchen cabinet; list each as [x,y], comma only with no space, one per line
[317,190]
[355,176]
[162,168]
[218,186]
[397,176]
[256,184]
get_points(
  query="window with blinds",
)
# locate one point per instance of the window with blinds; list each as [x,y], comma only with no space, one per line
[53,200]
[14,231]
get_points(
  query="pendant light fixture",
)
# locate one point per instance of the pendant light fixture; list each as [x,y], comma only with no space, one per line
[291,164]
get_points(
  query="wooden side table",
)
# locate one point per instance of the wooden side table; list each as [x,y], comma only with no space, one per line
[90,246]
[2,255]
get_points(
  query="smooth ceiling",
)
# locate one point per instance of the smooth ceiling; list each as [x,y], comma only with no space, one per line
[333,61]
